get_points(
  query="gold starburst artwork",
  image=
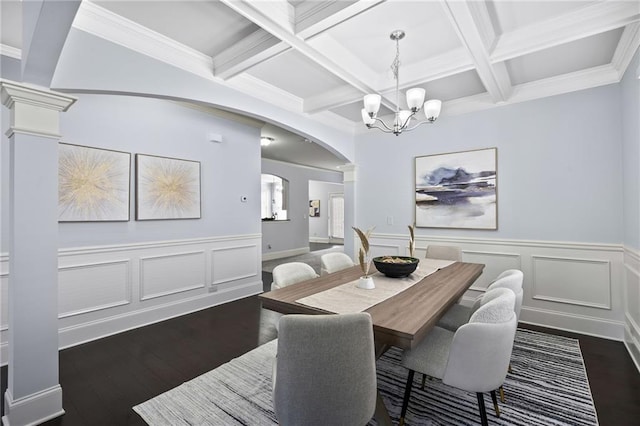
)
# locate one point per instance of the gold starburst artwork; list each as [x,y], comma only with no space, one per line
[93,184]
[167,188]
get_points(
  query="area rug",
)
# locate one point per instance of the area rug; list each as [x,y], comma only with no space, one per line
[548,386]
[312,259]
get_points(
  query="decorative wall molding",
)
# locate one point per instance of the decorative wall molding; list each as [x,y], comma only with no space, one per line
[234,263]
[580,277]
[632,303]
[10,51]
[173,273]
[34,409]
[588,298]
[89,292]
[105,290]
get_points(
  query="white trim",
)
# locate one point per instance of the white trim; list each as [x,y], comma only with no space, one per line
[10,51]
[33,409]
[631,342]
[324,240]
[583,324]
[105,24]
[284,253]
[494,241]
[627,46]
[152,244]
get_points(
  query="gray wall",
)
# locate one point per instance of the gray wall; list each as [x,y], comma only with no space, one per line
[559,168]
[319,226]
[158,127]
[294,233]
[630,89]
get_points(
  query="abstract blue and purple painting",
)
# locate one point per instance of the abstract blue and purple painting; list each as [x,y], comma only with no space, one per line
[457,190]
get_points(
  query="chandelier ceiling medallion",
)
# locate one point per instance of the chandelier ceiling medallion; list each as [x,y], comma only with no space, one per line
[415,102]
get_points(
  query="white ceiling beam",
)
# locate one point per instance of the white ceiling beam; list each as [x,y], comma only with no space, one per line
[248,52]
[274,27]
[473,26]
[315,17]
[627,47]
[590,20]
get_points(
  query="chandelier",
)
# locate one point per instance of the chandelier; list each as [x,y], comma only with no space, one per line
[415,102]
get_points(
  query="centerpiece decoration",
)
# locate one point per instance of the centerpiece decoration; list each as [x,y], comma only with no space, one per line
[365,281]
[399,266]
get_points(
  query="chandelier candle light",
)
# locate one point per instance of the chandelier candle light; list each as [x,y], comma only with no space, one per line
[415,100]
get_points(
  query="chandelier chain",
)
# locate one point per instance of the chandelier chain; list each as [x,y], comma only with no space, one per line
[395,67]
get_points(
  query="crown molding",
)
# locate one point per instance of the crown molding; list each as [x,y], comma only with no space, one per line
[10,51]
[217,112]
[627,47]
[249,84]
[102,23]
[315,17]
[593,19]
[13,92]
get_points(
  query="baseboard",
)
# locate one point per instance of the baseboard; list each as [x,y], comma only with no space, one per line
[319,240]
[89,331]
[284,253]
[590,326]
[34,409]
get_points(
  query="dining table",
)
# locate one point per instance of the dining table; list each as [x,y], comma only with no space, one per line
[401,320]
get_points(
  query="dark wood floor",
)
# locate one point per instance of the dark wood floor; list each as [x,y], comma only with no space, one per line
[103,380]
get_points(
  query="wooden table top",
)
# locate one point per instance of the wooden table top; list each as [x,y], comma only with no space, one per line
[402,320]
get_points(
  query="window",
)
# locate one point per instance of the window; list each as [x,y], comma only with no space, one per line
[274,198]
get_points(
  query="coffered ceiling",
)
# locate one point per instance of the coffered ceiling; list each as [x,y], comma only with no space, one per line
[320,57]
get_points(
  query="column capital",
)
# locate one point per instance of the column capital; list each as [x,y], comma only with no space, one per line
[348,172]
[34,110]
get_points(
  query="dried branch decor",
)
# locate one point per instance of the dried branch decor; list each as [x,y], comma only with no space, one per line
[363,253]
[412,240]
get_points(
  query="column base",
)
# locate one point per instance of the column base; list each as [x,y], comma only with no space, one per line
[33,409]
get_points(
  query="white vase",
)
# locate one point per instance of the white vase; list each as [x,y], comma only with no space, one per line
[366,283]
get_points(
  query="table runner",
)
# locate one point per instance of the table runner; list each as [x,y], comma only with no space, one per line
[348,298]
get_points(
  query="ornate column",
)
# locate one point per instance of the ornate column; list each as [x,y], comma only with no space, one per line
[34,393]
[349,180]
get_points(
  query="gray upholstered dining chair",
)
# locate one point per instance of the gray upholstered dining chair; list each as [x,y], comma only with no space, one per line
[325,370]
[474,358]
[459,314]
[444,252]
[334,262]
[291,273]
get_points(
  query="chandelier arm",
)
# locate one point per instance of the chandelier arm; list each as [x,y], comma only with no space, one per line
[404,125]
[383,123]
[419,124]
[371,126]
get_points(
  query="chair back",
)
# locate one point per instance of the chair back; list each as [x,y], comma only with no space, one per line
[444,253]
[291,273]
[334,262]
[511,279]
[481,349]
[325,371]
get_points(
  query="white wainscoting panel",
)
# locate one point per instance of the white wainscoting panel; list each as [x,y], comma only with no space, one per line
[171,273]
[377,249]
[495,263]
[584,282]
[90,287]
[104,290]
[233,263]
[632,304]
[567,285]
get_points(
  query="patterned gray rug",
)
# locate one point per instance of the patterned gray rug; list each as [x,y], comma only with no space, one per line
[548,386]
[312,259]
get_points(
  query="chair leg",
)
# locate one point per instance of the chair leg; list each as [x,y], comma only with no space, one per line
[495,403]
[502,398]
[483,411]
[407,394]
[509,370]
